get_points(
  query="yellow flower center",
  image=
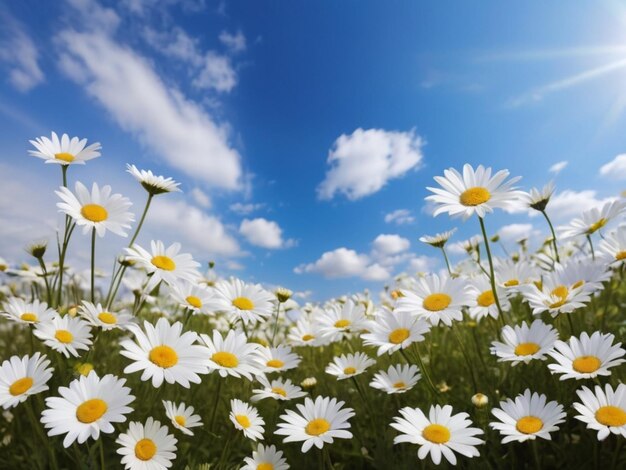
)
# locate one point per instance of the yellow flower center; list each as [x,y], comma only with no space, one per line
[611,416]
[145,449]
[164,356]
[20,386]
[225,359]
[243,421]
[280,391]
[91,410]
[84,369]
[620,255]
[486,298]
[343,323]
[64,157]
[265,466]
[560,291]
[308,337]
[526,349]
[194,301]
[64,336]
[436,433]
[275,363]
[243,303]
[163,262]
[529,425]
[399,385]
[597,226]
[437,302]
[94,212]
[586,364]
[108,318]
[180,420]
[578,284]
[349,370]
[318,426]
[511,283]
[398,335]
[28,316]
[474,196]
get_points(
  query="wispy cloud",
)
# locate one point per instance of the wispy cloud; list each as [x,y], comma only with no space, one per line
[558,167]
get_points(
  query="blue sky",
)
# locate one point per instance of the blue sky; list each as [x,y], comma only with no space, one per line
[245,103]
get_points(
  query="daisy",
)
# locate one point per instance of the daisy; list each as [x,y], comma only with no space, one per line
[586,357]
[21,377]
[278,359]
[88,406]
[147,447]
[346,366]
[248,302]
[193,297]
[592,220]
[528,417]
[538,199]
[318,422]
[163,264]
[182,416]
[232,355]
[613,247]
[398,379]
[553,296]
[474,192]
[265,458]
[64,334]
[589,274]
[97,316]
[391,331]
[510,274]
[152,183]
[246,418]
[436,298]
[483,302]
[305,333]
[278,389]
[99,210]
[163,353]
[33,312]
[523,343]
[439,240]
[441,433]
[65,151]
[603,410]
[337,320]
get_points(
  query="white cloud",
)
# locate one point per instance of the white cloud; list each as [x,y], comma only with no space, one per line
[264,233]
[344,262]
[568,204]
[386,244]
[235,42]
[514,232]
[422,264]
[615,169]
[400,217]
[18,52]
[558,167]
[178,130]
[363,162]
[216,73]
[201,198]
[244,209]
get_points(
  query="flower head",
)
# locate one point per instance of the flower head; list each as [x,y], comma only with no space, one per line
[64,151]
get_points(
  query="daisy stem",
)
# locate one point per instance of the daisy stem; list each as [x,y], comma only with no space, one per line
[276,323]
[422,368]
[44,271]
[217,402]
[327,458]
[536,454]
[46,442]
[556,249]
[69,228]
[470,366]
[102,466]
[93,262]
[593,254]
[445,257]
[571,325]
[367,403]
[616,454]
[492,277]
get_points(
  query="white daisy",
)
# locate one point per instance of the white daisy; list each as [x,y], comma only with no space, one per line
[306,333]
[483,302]
[592,220]
[249,303]
[246,418]
[538,199]
[603,410]
[232,355]
[474,192]
[65,151]
[98,316]
[441,433]
[350,365]
[397,379]
[18,310]
[163,353]
[147,447]
[198,299]
[523,343]
[317,423]
[612,248]
[528,417]
[64,334]
[278,389]
[164,264]
[589,274]
[99,209]
[586,357]
[265,458]
[278,359]
[391,331]
[87,407]
[182,416]
[21,377]
[436,298]
[439,240]
[337,320]
[152,183]
[510,274]
[553,296]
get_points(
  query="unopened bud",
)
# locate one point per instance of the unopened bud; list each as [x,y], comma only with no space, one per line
[480,400]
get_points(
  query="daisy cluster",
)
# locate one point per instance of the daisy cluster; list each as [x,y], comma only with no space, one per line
[169,366]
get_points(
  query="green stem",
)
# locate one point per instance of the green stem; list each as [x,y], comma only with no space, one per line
[102,466]
[470,366]
[217,402]
[276,324]
[492,277]
[536,454]
[44,271]
[556,249]
[445,257]
[422,370]
[93,263]
[69,228]
[42,435]
[593,254]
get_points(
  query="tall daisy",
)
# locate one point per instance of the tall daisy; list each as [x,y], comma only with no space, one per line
[232,355]
[265,458]
[338,320]
[603,410]
[350,365]
[510,274]
[528,417]
[64,151]
[249,303]
[523,343]
[397,379]
[538,199]
[483,302]
[391,331]
[592,220]
[553,296]
[182,417]
[87,407]
[278,389]
[246,418]
[438,240]
[198,299]
[103,318]
[65,334]
[152,183]
[21,377]
[316,423]
[439,433]
[20,311]
[99,209]
[278,359]
[306,333]
[164,352]
[147,446]
[613,247]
